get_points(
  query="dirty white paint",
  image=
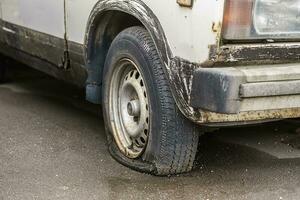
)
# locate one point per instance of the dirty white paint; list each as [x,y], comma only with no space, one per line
[39,15]
[188,30]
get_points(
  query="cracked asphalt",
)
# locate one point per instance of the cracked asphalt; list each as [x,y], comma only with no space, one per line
[52,146]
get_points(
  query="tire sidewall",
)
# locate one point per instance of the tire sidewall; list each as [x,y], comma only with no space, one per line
[126,46]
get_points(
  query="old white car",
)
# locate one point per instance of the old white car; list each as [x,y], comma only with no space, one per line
[162,69]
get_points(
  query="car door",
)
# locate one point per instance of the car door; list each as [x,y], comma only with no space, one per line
[36,27]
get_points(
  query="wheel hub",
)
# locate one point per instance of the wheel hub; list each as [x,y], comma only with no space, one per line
[131,109]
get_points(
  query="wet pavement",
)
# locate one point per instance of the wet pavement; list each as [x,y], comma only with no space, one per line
[52,146]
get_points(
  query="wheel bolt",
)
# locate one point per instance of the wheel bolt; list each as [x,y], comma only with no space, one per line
[133,108]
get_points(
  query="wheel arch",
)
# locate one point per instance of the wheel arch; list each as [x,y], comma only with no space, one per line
[107,19]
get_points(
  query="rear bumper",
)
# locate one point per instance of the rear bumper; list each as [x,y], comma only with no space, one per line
[263,91]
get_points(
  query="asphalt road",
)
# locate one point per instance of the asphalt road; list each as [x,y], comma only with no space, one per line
[52,146]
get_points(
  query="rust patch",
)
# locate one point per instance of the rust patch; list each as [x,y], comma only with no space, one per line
[249,116]
[185,3]
[250,54]
[216,27]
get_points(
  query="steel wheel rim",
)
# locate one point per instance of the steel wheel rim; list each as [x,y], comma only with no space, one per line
[129,109]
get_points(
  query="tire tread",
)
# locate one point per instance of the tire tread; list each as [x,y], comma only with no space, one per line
[179,137]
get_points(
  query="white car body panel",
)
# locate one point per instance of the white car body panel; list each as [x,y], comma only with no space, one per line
[188,34]
[39,15]
[188,30]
